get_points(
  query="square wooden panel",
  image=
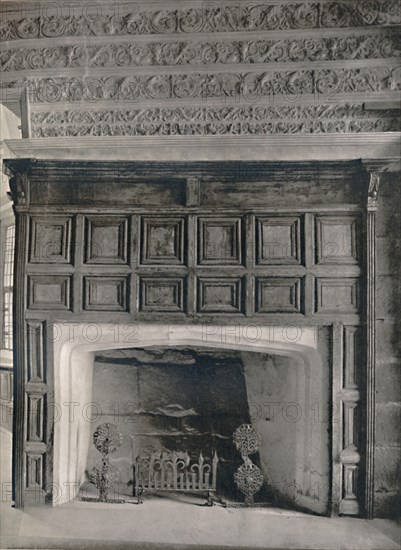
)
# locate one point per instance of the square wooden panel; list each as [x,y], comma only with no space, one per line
[106,240]
[50,240]
[337,295]
[164,294]
[162,241]
[49,292]
[220,295]
[336,240]
[105,293]
[278,240]
[278,295]
[219,241]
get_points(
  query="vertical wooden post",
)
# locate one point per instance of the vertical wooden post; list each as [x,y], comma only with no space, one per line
[19,425]
[371,338]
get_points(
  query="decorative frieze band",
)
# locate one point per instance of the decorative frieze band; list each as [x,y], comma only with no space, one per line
[325,84]
[127,54]
[210,17]
[225,120]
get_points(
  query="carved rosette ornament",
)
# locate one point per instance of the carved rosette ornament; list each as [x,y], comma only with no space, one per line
[107,439]
[248,477]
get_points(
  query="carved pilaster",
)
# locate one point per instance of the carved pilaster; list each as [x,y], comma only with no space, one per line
[375,168]
[373,192]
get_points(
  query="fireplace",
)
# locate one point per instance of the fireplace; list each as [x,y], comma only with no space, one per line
[267,265]
[280,387]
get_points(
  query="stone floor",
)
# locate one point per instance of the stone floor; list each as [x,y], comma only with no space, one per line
[162,523]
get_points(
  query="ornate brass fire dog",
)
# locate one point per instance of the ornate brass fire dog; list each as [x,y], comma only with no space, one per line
[174,472]
[107,439]
[248,477]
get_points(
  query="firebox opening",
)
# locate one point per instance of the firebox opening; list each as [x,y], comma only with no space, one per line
[173,390]
[191,400]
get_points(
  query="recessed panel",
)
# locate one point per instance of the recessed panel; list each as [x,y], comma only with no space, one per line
[105,294]
[162,241]
[219,241]
[161,294]
[352,349]
[35,471]
[336,295]
[278,240]
[50,240]
[220,295]
[106,240]
[35,352]
[278,295]
[36,406]
[49,292]
[336,240]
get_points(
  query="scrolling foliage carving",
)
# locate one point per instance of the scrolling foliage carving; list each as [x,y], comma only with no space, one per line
[149,54]
[208,18]
[249,87]
[226,120]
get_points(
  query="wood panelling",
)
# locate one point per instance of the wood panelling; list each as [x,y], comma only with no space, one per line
[349,504]
[272,248]
[106,293]
[35,475]
[278,240]
[36,411]
[106,240]
[49,292]
[114,191]
[336,240]
[220,295]
[161,294]
[278,295]
[162,241]
[147,184]
[220,241]
[352,346]
[50,240]
[35,371]
[336,295]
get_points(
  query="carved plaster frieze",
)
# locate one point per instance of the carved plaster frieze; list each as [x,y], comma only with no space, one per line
[254,120]
[247,87]
[209,114]
[209,17]
[384,45]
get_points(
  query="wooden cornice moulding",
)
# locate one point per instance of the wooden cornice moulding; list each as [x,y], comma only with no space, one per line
[376,145]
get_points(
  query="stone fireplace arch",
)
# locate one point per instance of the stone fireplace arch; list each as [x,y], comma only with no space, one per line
[73,350]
